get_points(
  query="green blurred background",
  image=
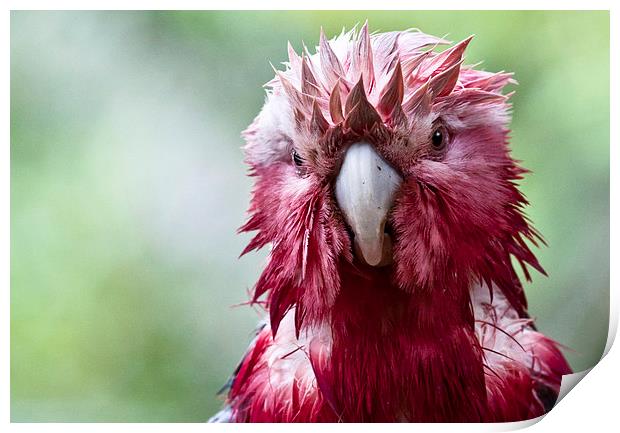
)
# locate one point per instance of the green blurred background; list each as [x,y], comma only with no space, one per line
[127,186]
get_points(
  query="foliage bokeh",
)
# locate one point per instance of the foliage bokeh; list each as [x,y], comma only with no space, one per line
[127,186]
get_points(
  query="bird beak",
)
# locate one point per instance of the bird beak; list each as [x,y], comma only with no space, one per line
[365,189]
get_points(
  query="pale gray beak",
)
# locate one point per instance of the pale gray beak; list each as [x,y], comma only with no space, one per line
[365,189]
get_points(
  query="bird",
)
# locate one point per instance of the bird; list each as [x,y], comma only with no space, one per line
[385,190]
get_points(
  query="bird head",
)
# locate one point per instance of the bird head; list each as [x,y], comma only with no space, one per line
[379,154]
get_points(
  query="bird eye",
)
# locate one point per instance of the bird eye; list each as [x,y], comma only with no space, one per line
[297,160]
[439,137]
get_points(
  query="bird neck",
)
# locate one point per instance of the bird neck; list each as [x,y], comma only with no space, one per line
[403,356]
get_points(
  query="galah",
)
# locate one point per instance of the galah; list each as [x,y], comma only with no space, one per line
[386,191]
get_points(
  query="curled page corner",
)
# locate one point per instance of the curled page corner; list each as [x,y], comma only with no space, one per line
[613,327]
[569,381]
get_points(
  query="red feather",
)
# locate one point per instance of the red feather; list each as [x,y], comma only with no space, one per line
[440,334]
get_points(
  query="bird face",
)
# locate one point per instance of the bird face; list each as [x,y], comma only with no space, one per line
[376,152]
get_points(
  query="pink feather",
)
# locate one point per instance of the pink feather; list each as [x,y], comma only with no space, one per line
[441,334]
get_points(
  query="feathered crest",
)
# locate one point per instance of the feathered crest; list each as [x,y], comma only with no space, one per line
[379,77]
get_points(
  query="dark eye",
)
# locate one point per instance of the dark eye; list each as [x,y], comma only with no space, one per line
[439,138]
[297,160]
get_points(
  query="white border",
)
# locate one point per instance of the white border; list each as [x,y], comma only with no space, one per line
[5,249]
[313,5]
[592,406]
